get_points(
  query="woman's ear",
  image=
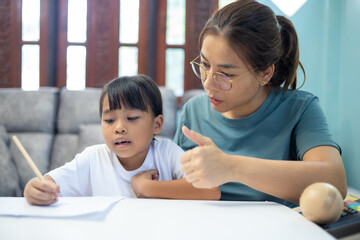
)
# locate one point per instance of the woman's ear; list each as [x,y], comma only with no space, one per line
[158,123]
[267,74]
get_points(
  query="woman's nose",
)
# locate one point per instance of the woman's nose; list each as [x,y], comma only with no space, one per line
[208,83]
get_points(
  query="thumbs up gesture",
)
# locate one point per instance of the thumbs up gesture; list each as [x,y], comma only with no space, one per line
[205,166]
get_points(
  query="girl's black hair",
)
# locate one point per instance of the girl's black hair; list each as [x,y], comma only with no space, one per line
[134,92]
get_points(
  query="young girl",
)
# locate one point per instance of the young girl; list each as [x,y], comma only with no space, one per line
[131,114]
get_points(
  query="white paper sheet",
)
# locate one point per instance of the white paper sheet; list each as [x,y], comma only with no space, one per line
[65,207]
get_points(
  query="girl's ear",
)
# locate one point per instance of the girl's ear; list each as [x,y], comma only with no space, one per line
[267,75]
[158,124]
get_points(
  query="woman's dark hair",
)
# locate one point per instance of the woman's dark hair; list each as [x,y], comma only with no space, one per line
[136,92]
[256,33]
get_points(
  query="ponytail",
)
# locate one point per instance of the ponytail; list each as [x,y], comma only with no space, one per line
[286,66]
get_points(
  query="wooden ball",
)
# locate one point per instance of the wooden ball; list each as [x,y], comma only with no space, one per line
[321,203]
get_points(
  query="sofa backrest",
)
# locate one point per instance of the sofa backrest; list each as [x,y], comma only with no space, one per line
[169,110]
[76,108]
[30,115]
[76,111]
[28,111]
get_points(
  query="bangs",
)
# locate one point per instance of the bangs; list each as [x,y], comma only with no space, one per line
[126,94]
[132,92]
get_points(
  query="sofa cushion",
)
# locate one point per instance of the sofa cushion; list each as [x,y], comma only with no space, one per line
[90,134]
[64,149]
[169,111]
[30,111]
[38,146]
[189,94]
[77,107]
[9,179]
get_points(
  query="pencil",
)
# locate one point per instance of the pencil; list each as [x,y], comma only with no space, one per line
[28,158]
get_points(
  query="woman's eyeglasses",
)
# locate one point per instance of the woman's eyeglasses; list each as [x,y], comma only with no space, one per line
[220,80]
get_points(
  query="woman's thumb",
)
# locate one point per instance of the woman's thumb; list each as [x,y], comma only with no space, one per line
[196,137]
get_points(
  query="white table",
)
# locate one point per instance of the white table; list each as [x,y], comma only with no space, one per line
[168,219]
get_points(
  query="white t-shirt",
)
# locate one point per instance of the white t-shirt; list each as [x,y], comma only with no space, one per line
[97,171]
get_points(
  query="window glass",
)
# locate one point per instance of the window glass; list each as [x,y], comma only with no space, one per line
[175,22]
[30,20]
[75,67]
[128,61]
[174,76]
[223,3]
[77,18]
[129,21]
[30,67]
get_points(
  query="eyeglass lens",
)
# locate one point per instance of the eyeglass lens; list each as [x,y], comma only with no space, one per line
[219,79]
[222,81]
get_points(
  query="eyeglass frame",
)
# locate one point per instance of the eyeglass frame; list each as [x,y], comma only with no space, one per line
[212,75]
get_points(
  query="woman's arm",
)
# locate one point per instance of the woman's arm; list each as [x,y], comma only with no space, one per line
[145,186]
[288,179]
[207,166]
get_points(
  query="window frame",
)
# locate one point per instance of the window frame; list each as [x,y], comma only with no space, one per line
[102,62]
[11,68]
[197,13]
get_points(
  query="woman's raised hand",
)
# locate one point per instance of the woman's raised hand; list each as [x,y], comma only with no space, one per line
[204,166]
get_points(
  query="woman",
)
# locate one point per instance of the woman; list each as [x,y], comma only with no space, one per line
[253,134]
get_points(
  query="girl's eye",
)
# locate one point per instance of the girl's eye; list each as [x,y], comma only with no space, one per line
[109,120]
[132,118]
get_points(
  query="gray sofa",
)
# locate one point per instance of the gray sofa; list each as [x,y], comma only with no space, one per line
[54,125]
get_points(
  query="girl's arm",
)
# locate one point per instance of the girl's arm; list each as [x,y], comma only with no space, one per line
[145,185]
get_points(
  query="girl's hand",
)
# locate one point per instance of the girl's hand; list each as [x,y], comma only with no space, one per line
[139,180]
[204,166]
[38,192]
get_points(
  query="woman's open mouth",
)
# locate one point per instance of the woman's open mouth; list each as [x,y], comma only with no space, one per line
[215,101]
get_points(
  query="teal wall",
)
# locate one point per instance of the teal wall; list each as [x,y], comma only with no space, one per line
[349,89]
[329,36]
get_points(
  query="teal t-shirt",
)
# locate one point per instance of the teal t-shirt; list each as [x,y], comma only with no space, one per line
[286,126]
